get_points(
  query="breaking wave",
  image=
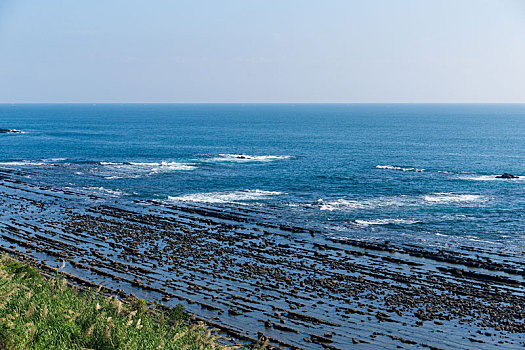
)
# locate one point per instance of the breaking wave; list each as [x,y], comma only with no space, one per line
[490,178]
[33,163]
[245,158]
[23,163]
[111,170]
[392,167]
[386,222]
[342,204]
[439,198]
[227,196]
[445,198]
[106,191]
[107,170]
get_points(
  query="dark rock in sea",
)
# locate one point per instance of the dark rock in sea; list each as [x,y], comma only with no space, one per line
[7,131]
[507,176]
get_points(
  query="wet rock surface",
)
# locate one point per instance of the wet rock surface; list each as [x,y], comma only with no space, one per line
[12,131]
[507,176]
[253,277]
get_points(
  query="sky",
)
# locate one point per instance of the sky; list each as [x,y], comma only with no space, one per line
[300,51]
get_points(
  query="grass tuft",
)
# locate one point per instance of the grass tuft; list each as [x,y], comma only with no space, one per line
[46,313]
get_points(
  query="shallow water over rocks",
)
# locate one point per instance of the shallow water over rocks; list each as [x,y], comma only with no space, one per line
[250,273]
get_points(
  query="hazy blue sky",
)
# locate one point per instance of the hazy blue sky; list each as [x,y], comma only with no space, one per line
[262,51]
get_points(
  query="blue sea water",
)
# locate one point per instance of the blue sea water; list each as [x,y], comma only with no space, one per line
[393,171]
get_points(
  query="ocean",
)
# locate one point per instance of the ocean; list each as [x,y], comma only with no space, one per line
[370,171]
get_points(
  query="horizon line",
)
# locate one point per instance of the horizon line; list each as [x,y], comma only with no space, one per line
[267,103]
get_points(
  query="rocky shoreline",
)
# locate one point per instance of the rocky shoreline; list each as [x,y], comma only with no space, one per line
[252,277]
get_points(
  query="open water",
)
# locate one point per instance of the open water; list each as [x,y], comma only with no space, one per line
[372,171]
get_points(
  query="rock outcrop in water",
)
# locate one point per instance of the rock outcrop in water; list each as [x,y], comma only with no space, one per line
[7,131]
[507,176]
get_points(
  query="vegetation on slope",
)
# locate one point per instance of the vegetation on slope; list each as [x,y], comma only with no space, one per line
[46,313]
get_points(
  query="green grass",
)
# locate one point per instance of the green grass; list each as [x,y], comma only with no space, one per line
[46,313]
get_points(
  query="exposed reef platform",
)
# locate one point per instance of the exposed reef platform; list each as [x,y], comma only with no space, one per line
[246,273]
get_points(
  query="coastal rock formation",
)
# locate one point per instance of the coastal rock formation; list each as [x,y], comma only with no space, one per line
[507,176]
[258,279]
[12,131]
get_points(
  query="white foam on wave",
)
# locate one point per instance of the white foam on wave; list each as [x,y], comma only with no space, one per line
[30,163]
[54,160]
[125,170]
[478,239]
[24,163]
[164,167]
[392,167]
[341,204]
[227,196]
[438,198]
[244,158]
[386,222]
[106,191]
[300,205]
[445,198]
[490,178]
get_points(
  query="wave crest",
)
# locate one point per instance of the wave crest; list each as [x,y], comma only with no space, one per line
[445,197]
[245,158]
[24,163]
[227,196]
[131,170]
[386,222]
[490,178]
[392,167]
[438,198]
[106,191]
